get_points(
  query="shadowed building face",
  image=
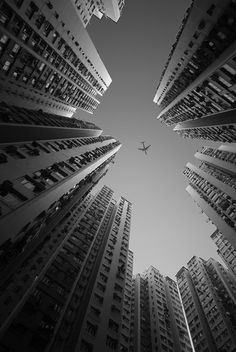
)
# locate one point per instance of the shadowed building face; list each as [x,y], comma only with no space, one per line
[75,282]
[48,60]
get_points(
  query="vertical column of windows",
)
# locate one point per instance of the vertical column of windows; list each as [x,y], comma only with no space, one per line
[217,199]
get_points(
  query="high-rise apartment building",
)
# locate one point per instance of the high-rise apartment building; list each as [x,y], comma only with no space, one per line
[47,59]
[109,8]
[48,164]
[21,124]
[44,162]
[107,315]
[126,317]
[208,293]
[197,90]
[212,186]
[72,293]
[157,320]
[225,250]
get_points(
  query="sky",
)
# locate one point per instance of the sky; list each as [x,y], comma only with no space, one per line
[167,227]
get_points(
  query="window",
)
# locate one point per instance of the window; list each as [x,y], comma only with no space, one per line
[5,14]
[15,48]
[98,299]
[230,69]
[18,3]
[118,288]
[115,310]
[9,195]
[4,39]
[6,65]
[202,24]
[103,277]
[113,325]
[101,287]
[106,268]
[60,290]
[116,297]
[212,85]
[225,83]
[111,343]
[91,328]
[26,183]
[13,152]
[31,9]
[190,44]
[95,311]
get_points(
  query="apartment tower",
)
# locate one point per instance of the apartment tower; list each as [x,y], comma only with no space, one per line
[197,91]
[72,291]
[212,187]
[157,320]
[225,250]
[43,161]
[108,8]
[47,59]
[49,165]
[208,293]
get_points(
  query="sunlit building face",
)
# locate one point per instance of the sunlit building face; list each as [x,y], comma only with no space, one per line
[196,92]
[212,187]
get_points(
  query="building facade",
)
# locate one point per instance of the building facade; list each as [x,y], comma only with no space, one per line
[111,292]
[127,308]
[212,187]
[208,293]
[225,250]
[197,91]
[108,8]
[47,59]
[38,174]
[158,322]
[72,293]
[49,164]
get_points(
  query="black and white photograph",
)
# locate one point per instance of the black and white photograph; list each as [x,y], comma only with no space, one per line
[117,175]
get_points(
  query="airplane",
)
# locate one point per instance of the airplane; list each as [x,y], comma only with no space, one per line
[145,148]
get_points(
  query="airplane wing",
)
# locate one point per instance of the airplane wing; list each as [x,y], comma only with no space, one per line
[146,148]
[141,149]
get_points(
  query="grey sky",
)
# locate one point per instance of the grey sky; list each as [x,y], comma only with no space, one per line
[167,227]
